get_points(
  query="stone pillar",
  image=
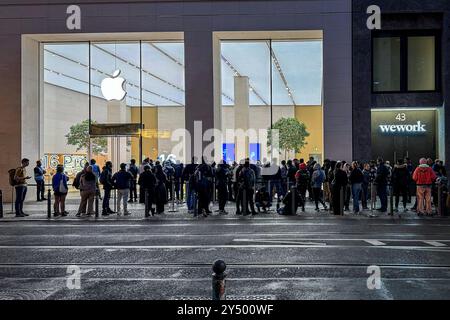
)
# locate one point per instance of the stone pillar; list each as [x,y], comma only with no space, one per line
[198,46]
[241,116]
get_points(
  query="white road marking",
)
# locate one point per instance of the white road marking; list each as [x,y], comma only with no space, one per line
[435,243]
[287,241]
[375,242]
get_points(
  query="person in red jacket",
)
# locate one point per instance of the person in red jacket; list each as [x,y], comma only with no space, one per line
[424,177]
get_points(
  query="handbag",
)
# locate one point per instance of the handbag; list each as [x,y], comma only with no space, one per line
[62,188]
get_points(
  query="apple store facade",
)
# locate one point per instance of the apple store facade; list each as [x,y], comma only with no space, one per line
[135,72]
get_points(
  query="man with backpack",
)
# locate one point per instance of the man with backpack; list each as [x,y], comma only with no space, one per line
[246,183]
[18,179]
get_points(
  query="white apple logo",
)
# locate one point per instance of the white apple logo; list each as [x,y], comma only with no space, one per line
[113,88]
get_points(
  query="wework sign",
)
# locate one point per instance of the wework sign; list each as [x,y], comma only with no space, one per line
[402,128]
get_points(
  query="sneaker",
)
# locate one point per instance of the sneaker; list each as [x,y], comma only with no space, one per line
[130,201]
[109,211]
[25,214]
[19,215]
[64,214]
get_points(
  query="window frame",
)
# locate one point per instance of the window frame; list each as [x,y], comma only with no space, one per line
[404,35]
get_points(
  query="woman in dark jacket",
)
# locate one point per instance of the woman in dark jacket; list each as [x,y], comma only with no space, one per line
[147,182]
[339,183]
[160,189]
[400,182]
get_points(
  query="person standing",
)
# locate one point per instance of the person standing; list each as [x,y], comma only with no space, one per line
[60,189]
[147,182]
[356,180]
[246,181]
[302,179]
[121,181]
[106,181]
[400,183]
[424,177]
[317,179]
[365,196]
[39,173]
[20,185]
[160,189]
[88,190]
[188,176]
[339,183]
[134,171]
[221,175]
[381,182]
[203,184]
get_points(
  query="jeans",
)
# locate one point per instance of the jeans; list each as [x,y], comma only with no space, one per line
[190,197]
[122,196]
[21,192]
[278,188]
[222,195]
[365,195]
[40,190]
[382,194]
[356,193]
[60,203]
[133,190]
[317,197]
[106,198]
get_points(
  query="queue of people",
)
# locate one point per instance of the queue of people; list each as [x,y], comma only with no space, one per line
[253,187]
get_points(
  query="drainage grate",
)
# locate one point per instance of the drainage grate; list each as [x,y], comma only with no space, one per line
[231,297]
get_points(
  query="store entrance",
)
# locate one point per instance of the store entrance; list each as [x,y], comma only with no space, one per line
[400,134]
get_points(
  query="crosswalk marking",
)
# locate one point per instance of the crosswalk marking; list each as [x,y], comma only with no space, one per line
[435,243]
[375,242]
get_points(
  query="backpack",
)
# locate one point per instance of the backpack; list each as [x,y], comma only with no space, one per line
[12,175]
[248,177]
[76,181]
[103,177]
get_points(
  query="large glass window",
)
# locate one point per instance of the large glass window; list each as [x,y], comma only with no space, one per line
[386,64]
[103,87]
[405,62]
[421,63]
[263,81]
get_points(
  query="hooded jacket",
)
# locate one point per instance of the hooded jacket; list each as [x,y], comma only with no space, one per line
[424,175]
[400,175]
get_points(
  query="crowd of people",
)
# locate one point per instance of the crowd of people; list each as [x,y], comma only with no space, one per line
[253,187]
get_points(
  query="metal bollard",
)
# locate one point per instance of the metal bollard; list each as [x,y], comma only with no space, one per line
[218,280]
[147,210]
[294,200]
[49,204]
[96,203]
[341,199]
[391,200]
[181,189]
[173,198]
[1,204]
[439,208]
[244,202]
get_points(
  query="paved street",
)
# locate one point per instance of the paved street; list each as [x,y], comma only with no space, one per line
[310,256]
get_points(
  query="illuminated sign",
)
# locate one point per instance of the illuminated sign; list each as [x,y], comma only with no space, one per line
[419,127]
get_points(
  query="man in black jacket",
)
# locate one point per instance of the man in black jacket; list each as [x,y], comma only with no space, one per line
[381,181]
[400,183]
[106,181]
[147,182]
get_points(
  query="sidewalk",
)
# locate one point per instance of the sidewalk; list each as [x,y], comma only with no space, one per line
[38,211]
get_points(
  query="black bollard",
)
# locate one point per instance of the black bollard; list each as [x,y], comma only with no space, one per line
[147,210]
[96,203]
[294,200]
[391,201]
[244,202]
[439,199]
[218,280]
[1,204]
[49,204]
[341,200]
